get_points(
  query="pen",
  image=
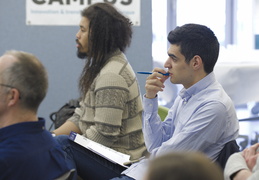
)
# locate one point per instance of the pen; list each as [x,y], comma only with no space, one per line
[142,72]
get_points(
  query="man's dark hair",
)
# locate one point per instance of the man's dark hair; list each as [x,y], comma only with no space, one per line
[195,39]
[109,31]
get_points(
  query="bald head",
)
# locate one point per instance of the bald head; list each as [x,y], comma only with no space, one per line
[6,61]
[24,71]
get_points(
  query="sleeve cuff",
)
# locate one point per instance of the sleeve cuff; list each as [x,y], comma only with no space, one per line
[150,105]
[235,163]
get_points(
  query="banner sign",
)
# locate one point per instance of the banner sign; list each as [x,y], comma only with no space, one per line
[67,12]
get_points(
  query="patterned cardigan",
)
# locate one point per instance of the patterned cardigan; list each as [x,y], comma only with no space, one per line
[111,112]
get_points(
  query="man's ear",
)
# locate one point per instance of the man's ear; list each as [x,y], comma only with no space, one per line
[13,97]
[197,62]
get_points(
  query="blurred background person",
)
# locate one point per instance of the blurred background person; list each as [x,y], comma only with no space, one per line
[243,165]
[183,166]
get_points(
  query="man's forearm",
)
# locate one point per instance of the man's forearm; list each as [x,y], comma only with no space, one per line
[66,128]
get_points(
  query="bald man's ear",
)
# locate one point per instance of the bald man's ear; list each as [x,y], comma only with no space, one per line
[13,96]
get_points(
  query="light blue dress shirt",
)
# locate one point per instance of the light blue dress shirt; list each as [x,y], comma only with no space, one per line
[203,118]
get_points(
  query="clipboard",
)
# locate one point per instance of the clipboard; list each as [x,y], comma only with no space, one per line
[106,152]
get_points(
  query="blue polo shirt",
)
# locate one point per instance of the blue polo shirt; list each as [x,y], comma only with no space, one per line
[29,152]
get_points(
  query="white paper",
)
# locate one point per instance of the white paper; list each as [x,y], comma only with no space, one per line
[108,153]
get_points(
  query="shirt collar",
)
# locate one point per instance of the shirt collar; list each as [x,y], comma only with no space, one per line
[186,94]
[22,128]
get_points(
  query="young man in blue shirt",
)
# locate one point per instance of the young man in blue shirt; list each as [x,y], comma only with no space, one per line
[203,117]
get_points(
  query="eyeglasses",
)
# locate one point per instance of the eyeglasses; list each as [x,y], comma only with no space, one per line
[6,85]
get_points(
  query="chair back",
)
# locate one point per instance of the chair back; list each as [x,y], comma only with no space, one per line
[162,112]
[229,148]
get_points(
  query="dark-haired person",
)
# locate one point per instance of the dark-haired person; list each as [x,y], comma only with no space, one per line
[111,108]
[203,117]
[27,149]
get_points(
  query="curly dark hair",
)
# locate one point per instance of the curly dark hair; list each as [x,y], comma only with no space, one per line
[109,31]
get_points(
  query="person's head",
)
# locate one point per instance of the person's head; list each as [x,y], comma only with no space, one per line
[23,80]
[194,46]
[183,166]
[103,30]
